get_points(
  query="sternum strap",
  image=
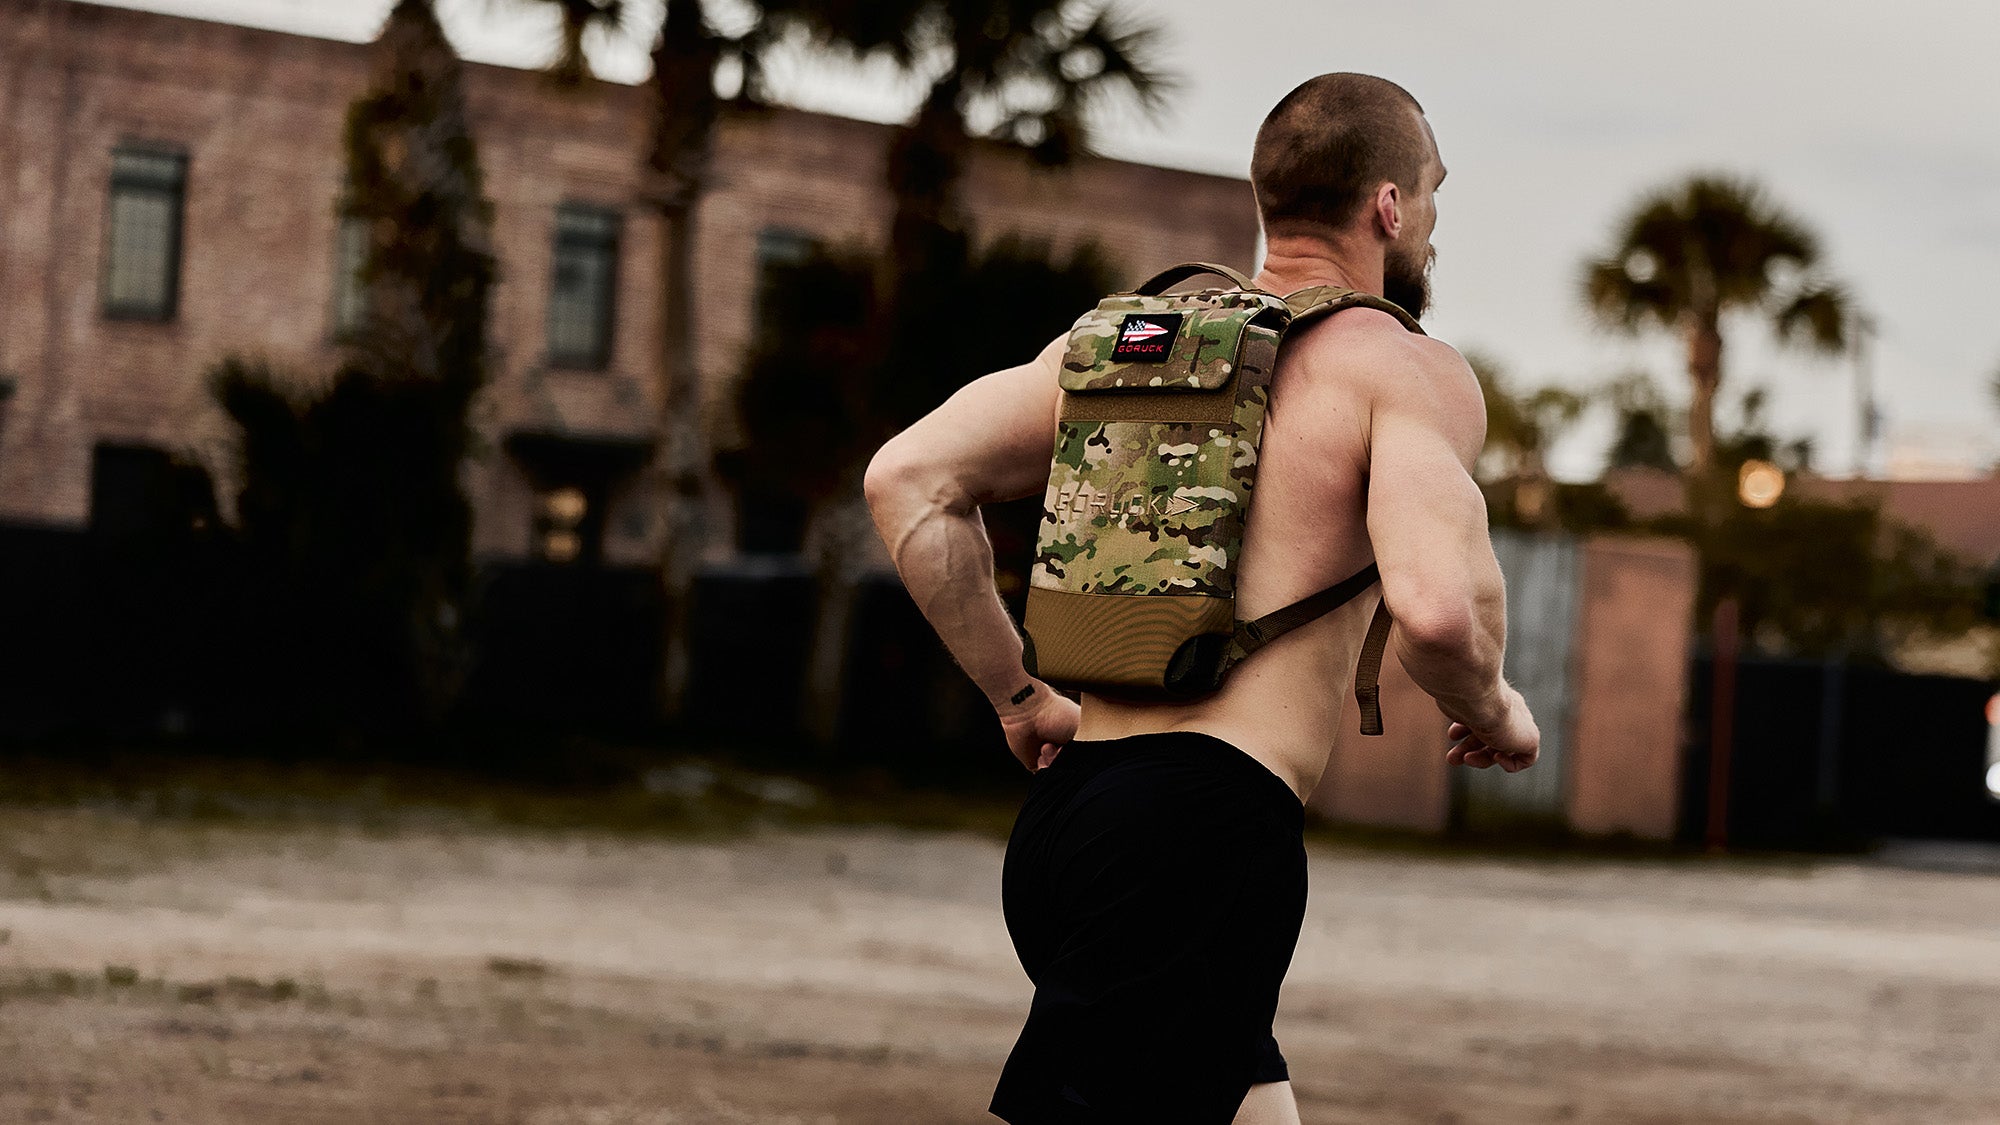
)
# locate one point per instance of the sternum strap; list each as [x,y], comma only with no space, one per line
[1253,635]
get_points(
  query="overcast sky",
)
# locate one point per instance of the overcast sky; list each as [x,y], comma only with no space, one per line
[1877,123]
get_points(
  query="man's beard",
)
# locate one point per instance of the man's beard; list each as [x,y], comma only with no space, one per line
[1407,280]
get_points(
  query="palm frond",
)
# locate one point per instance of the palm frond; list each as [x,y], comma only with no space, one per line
[1040,69]
[1819,316]
[901,29]
[576,22]
[1626,303]
[1114,56]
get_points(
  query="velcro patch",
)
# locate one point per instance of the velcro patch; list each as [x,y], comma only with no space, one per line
[1146,337]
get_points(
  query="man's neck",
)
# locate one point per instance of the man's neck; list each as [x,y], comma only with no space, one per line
[1301,261]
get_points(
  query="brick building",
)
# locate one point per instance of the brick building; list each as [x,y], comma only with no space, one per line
[169,195]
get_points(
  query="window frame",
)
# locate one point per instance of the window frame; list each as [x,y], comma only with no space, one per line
[118,181]
[777,245]
[345,218]
[610,241]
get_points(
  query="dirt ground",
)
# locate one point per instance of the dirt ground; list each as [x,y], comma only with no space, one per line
[182,971]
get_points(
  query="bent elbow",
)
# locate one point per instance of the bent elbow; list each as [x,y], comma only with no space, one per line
[1446,624]
[1442,628]
[901,485]
[889,473]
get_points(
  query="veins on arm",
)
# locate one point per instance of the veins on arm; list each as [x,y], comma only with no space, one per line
[990,441]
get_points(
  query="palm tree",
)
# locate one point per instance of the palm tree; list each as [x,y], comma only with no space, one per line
[1692,251]
[1034,68]
[685,109]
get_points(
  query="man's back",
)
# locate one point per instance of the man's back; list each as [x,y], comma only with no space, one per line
[1309,528]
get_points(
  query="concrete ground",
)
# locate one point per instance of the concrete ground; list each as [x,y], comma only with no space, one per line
[186,971]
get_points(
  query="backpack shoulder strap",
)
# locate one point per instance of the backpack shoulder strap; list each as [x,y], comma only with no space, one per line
[1324,300]
[1173,275]
[1253,635]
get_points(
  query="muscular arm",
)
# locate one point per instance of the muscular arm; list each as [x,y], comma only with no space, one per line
[1427,521]
[991,441]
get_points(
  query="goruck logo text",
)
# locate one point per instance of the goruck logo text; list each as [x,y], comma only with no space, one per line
[1146,337]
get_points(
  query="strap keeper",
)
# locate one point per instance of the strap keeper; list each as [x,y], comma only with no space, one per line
[1370,700]
[1368,670]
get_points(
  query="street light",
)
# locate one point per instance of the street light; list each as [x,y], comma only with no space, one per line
[1993,747]
[1759,484]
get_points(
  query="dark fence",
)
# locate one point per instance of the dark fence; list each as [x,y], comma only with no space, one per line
[134,637]
[1833,754]
[138,634]
[909,708]
[122,637]
[565,649]
[904,706]
[750,634]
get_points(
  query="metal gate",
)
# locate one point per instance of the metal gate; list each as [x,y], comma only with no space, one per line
[1543,591]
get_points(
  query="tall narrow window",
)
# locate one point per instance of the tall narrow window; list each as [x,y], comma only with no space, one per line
[143,261]
[580,297]
[777,247]
[350,296]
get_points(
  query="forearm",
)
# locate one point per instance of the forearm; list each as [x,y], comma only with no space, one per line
[1453,648]
[946,563]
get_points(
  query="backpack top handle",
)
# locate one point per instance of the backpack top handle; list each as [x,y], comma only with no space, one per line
[1173,275]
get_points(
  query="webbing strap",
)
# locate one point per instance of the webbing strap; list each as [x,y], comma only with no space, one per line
[1324,300]
[1253,635]
[1173,275]
[1368,673]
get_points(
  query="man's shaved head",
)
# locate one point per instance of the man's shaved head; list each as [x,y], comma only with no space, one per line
[1324,149]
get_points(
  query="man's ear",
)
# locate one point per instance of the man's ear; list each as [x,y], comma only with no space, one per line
[1389,209]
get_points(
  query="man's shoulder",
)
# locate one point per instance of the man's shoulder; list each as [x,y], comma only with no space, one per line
[1399,377]
[1370,344]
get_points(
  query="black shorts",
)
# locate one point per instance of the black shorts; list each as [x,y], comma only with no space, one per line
[1154,888]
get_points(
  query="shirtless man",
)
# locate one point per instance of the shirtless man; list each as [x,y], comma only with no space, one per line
[1155,881]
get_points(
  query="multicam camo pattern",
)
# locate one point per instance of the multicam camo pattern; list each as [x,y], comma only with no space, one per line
[1203,355]
[1145,508]
[1157,507]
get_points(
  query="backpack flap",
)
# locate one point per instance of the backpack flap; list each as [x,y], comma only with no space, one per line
[1185,343]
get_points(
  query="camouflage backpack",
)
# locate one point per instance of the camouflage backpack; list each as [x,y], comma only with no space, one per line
[1133,589]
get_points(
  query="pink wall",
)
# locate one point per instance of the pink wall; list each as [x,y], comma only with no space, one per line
[1631,666]
[1628,664]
